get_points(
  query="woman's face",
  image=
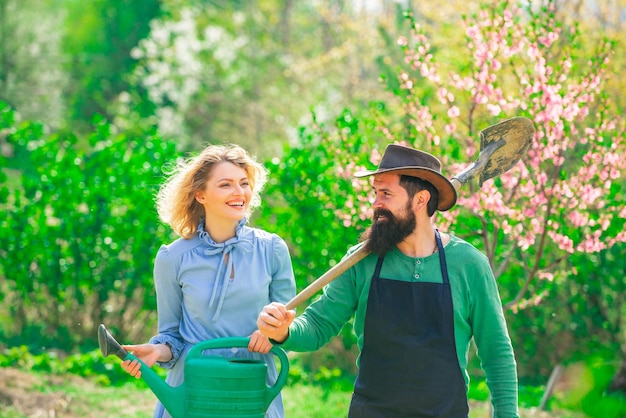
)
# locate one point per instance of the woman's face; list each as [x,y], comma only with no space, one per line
[227,193]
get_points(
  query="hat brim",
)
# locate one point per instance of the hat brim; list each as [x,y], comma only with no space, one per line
[447,192]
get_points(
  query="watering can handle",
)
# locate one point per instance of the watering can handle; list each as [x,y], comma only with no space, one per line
[242,342]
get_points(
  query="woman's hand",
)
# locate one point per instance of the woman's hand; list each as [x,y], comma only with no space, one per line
[259,343]
[148,353]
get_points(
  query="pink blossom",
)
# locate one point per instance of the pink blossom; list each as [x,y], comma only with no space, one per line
[592,243]
[544,275]
[473,32]
[375,157]
[471,202]
[494,109]
[578,219]
[549,39]
[454,112]
[589,194]
[442,94]
[619,238]
[563,242]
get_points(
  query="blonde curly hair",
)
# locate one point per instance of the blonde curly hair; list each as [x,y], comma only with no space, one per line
[176,202]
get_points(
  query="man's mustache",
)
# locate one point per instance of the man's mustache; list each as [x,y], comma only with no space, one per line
[384,213]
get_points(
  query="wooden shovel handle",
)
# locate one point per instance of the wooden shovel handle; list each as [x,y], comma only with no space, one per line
[328,277]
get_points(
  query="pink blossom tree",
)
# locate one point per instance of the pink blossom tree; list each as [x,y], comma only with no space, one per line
[563,197]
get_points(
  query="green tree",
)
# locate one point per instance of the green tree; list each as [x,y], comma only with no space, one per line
[222,72]
[31,60]
[80,231]
[97,39]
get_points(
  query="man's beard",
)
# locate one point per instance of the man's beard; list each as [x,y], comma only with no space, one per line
[384,236]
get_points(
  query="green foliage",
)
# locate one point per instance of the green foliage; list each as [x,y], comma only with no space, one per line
[303,400]
[478,390]
[216,71]
[98,39]
[81,231]
[586,387]
[604,406]
[301,370]
[104,371]
[529,395]
[584,314]
[307,192]
[32,76]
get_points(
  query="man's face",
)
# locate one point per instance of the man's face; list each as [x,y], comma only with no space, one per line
[393,218]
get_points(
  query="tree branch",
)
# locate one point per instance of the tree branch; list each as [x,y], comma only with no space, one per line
[535,268]
[503,266]
[486,242]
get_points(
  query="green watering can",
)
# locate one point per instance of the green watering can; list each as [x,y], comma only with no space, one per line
[214,386]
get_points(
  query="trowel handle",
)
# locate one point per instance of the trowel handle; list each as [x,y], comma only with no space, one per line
[108,345]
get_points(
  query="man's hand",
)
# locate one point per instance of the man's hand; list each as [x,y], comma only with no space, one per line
[274,321]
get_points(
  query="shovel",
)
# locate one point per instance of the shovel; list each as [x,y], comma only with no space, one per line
[501,147]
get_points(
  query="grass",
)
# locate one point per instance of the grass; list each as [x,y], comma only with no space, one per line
[69,396]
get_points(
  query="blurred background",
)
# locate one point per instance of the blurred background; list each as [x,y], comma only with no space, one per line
[98,96]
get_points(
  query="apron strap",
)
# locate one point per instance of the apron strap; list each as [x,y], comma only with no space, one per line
[442,257]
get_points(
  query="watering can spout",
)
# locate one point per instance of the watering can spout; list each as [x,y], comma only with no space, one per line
[108,344]
[173,399]
[214,386]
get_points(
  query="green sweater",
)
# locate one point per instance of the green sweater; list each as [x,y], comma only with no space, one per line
[477,312]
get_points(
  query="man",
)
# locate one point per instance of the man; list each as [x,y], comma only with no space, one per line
[418,299]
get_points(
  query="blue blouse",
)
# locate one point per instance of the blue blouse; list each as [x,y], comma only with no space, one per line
[208,290]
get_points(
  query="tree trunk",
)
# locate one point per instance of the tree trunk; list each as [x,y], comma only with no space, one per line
[618,384]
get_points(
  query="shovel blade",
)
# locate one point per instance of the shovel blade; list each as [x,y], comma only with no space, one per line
[517,134]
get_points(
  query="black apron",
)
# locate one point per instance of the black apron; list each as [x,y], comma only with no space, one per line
[409,365]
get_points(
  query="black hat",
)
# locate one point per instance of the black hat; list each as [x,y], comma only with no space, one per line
[415,163]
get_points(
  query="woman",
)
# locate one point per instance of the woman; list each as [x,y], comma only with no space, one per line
[215,279]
